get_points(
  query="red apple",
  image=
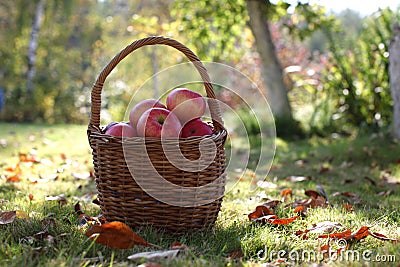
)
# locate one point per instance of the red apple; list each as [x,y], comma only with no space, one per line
[141,107]
[186,104]
[158,122]
[196,127]
[121,129]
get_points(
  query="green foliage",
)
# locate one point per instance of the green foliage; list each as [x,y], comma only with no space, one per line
[359,78]
[214,28]
[65,63]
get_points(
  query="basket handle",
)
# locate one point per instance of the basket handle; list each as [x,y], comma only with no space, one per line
[154,40]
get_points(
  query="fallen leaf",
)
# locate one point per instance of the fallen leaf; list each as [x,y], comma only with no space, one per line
[382,237]
[41,235]
[312,193]
[321,191]
[260,212]
[13,179]
[297,178]
[325,226]
[86,220]
[63,156]
[370,180]
[345,235]
[115,235]
[350,197]
[24,157]
[177,245]
[321,227]
[48,222]
[324,168]
[299,209]
[282,221]
[266,184]
[272,204]
[301,162]
[238,254]
[384,193]
[82,176]
[7,217]
[16,169]
[286,192]
[78,209]
[155,255]
[363,232]
[348,207]
[149,264]
[20,214]
[62,199]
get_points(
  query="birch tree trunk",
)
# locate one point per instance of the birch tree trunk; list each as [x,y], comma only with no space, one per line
[32,46]
[394,74]
[271,70]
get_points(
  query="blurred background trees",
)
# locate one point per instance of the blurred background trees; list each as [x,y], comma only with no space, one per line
[334,67]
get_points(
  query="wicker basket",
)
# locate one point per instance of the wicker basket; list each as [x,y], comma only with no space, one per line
[125,168]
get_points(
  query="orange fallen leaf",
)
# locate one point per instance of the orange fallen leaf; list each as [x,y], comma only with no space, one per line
[345,235]
[282,221]
[16,169]
[348,207]
[23,157]
[286,192]
[13,179]
[299,209]
[115,235]
[363,232]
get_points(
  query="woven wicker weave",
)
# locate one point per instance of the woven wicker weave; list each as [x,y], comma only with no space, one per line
[120,165]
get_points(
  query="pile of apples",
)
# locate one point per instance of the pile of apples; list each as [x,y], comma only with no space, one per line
[180,117]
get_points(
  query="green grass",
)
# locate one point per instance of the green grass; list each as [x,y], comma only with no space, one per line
[338,165]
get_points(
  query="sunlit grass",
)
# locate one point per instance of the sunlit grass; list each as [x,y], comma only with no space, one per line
[338,165]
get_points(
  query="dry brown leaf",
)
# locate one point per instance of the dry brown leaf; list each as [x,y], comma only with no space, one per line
[345,235]
[238,254]
[382,237]
[348,207]
[115,235]
[260,212]
[7,217]
[363,232]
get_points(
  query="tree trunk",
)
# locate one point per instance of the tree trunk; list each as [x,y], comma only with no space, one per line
[271,70]
[32,46]
[394,73]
